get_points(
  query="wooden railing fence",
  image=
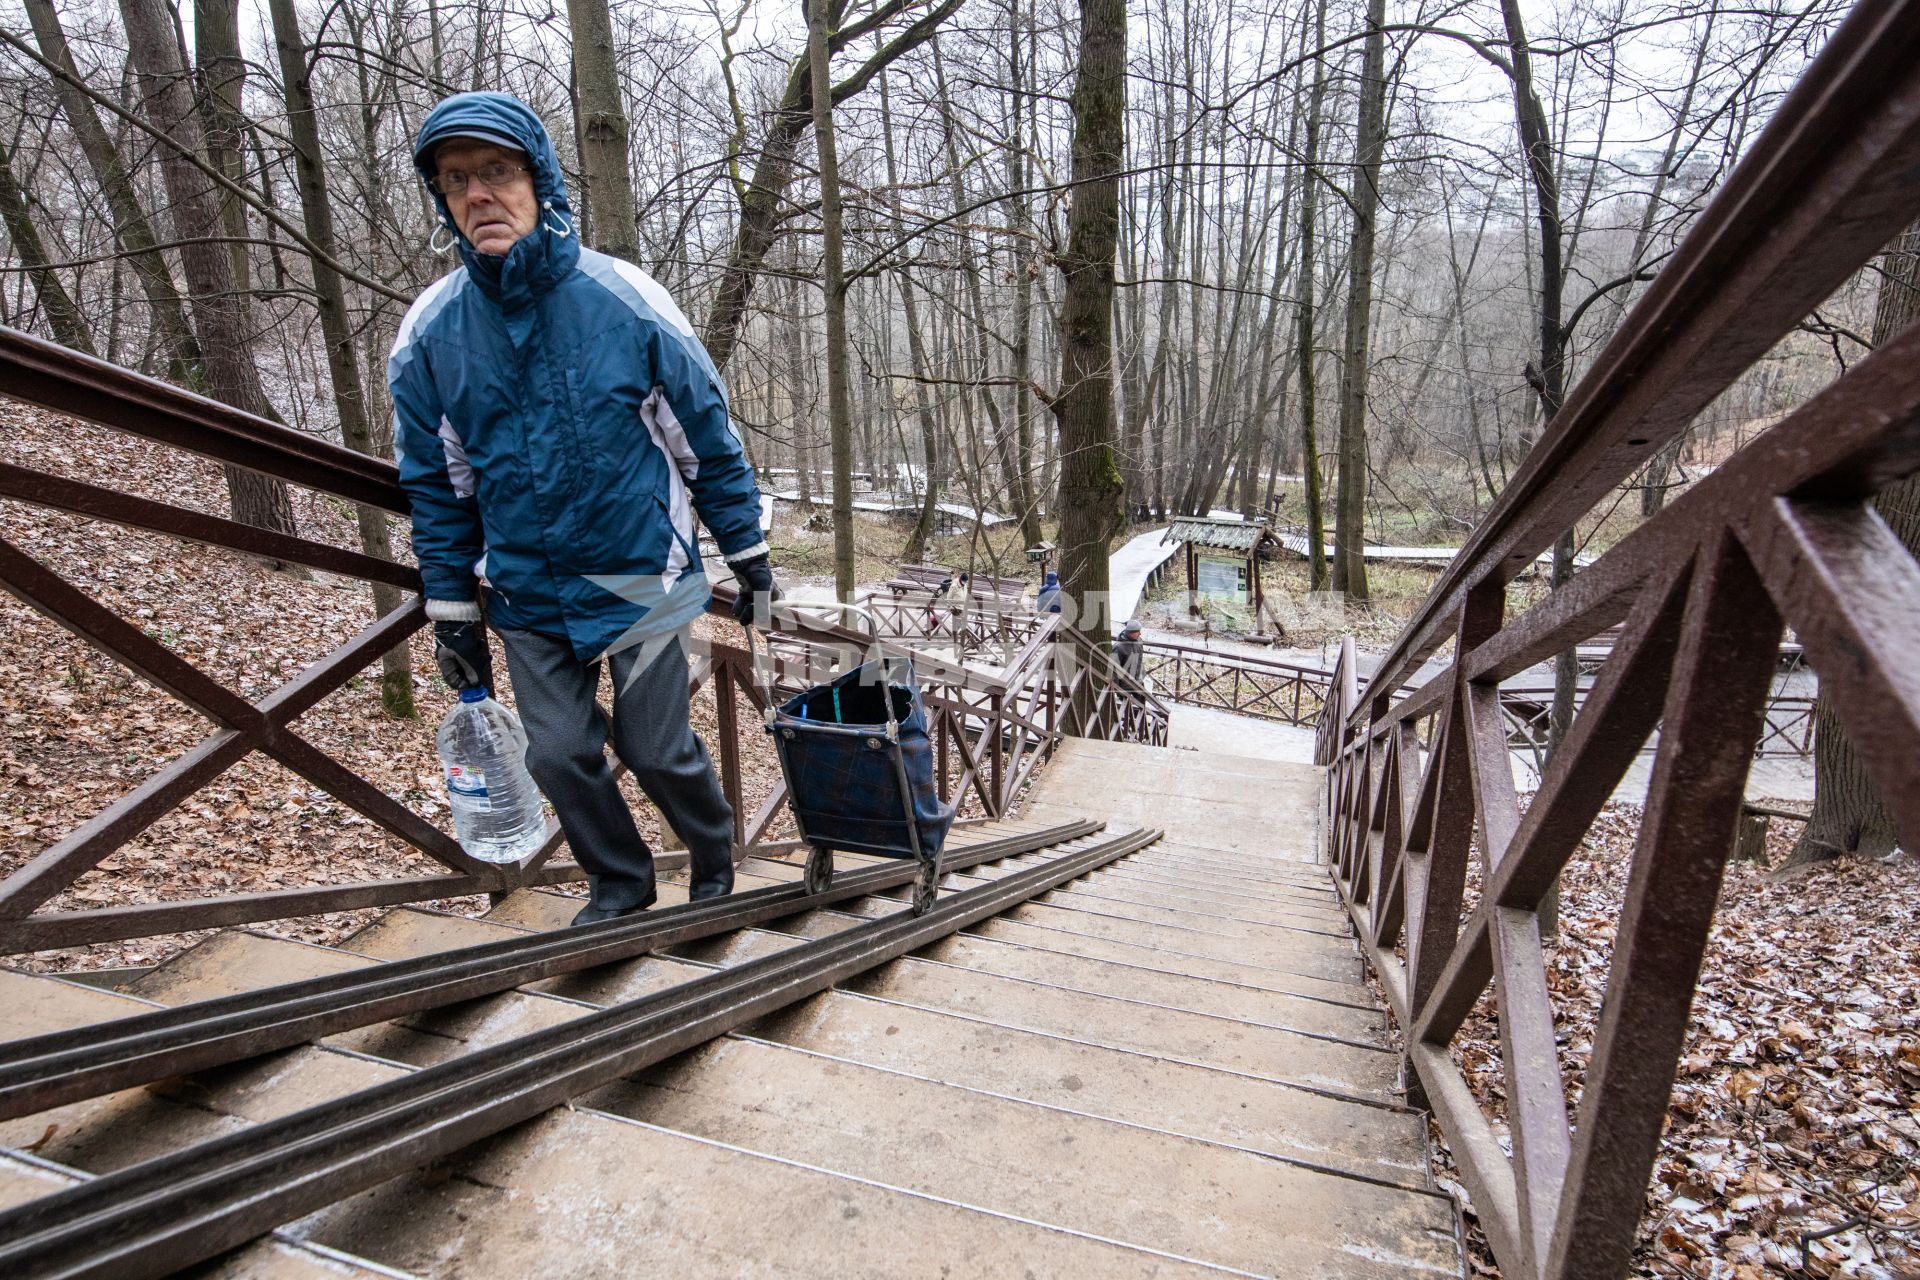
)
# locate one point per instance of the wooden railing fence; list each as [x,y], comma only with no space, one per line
[991,728]
[1783,533]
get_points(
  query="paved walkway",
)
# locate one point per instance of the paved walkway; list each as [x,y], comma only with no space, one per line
[1205,729]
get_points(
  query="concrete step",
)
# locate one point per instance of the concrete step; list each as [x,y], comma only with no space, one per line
[579,1195]
[1292,875]
[408,932]
[1350,993]
[1344,1069]
[1277,950]
[24,1178]
[1158,987]
[1146,877]
[1232,803]
[1137,1186]
[235,961]
[1272,1119]
[1291,881]
[102,1134]
[1153,906]
[541,909]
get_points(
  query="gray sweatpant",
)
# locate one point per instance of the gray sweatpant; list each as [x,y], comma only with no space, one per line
[567,734]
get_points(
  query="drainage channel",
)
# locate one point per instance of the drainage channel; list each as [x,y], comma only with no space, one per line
[84,1062]
[171,1212]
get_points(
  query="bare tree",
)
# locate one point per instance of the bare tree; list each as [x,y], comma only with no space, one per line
[761,211]
[1350,499]
[69,325]
[336,328]
[133,232]
[220,314]
[834,286]
[1090,484]
[1849,816]
[603,130]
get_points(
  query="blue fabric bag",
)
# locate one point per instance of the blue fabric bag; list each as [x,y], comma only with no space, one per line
[846,775]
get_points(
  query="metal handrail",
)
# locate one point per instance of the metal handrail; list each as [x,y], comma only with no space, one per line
[1782,533]
[973,716]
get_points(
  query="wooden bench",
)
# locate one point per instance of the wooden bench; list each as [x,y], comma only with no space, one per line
[917,579]
[1003,590]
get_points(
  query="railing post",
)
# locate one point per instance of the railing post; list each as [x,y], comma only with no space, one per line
[728,725]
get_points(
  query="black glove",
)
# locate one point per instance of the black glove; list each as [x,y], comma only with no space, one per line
[757,592]
[460,650]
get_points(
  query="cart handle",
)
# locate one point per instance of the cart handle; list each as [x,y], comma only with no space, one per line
[764,677]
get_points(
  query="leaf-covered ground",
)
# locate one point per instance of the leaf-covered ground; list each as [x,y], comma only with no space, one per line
[77,730]
[1792,1145]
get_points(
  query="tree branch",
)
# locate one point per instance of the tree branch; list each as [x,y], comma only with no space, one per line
[218,178]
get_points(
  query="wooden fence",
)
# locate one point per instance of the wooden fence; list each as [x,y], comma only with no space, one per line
[1783,533]
[991,728]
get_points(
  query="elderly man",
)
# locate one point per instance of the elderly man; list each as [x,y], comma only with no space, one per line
[559,427]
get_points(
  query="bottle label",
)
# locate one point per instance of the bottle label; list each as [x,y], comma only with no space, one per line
[467,788]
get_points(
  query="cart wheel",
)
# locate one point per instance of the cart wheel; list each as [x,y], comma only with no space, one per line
[926,886]
[819,875]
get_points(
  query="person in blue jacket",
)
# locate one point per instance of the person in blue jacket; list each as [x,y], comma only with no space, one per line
[1048,601]
[559,428]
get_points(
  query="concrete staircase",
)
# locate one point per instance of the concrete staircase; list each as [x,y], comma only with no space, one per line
[1167,1067]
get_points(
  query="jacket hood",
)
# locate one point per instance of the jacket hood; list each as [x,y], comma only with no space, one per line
[543,256]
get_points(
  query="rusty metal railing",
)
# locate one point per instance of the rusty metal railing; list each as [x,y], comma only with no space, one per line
[1782,534]
[991,730]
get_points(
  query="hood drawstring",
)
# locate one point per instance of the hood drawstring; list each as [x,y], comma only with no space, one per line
[538,261]
[434,243]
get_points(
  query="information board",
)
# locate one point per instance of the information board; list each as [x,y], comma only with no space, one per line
[1223,579]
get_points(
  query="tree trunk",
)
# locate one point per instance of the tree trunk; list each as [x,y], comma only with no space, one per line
[336,328]
[761,211]
[223,84]
[1090,484]
[1021,219]
[69,325]
[916,548]
[132,231]
[834,286]
[1849,816]
[1549,379]
[602,121]
[1350,498]
[219,312]
[1311,496]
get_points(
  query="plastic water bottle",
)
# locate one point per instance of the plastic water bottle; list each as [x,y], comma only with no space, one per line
[496,807]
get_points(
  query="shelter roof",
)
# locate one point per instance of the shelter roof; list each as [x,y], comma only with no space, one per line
[1221,535]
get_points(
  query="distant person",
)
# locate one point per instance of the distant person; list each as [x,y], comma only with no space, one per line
[1128,652]
[1048,601]
[559,427]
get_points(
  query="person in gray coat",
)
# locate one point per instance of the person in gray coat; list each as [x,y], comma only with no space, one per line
[1127,651]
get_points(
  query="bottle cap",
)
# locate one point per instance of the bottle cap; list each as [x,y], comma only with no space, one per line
[474,693]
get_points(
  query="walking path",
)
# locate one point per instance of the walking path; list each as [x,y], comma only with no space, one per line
[1223,732]
[1129,568]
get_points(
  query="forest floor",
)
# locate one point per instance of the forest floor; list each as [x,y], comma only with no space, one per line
[77,730]
[1792,1144]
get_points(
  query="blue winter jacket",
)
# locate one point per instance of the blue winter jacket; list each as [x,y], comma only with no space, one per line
[559,426]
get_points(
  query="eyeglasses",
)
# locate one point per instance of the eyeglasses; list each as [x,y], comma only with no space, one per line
[493,176]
